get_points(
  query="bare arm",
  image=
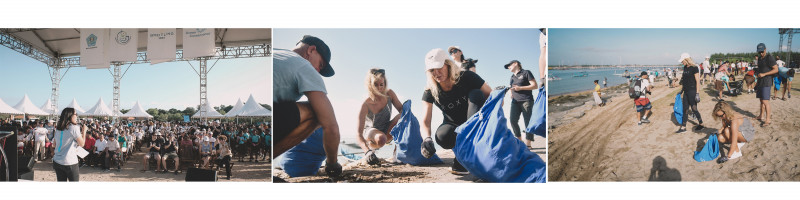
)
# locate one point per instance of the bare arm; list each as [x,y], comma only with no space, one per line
[426,124]
[532,86]
[82,139]
[361,115]
[327,119]
[396,102]
[486,90]
[770,72]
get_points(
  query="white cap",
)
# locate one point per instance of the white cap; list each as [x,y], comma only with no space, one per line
[205,139]
[708,57]
[684,56]
[453,47]
[435,59]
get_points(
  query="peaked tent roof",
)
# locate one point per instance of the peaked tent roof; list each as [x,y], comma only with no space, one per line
[137,112]
[74,104]
[235,108]
[99,110]
[6,109]
[26,106]
[252,109]
[48,107]
[210,112]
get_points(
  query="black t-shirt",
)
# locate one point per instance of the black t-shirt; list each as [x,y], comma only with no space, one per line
[158,143]
[688,77]
[765,65]
[454,103]
[522,78]
[169,147]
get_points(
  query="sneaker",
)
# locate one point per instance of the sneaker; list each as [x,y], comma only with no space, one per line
[458,169]
[681,130]
[698,127]
[640,123]
[645,121]
[722,159]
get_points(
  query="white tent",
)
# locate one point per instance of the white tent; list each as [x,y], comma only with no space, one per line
[99,110]
[137,112]
[26,106]
[210,112]
[74,104]
[235,108]
[6,109]
[252,109]
[48,107]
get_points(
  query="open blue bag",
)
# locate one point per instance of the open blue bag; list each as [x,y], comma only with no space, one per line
[678,109]
[409,141]
[538,123]
[305,158]
[710,151]
[487,148]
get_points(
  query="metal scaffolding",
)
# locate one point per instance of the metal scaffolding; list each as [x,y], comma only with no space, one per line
[787,33]
[56,63]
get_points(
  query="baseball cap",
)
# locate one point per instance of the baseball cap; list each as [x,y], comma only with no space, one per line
[435,59]
[324,51]
[449,49]
[643,73]
[761,47]
[684,56]
[512,62]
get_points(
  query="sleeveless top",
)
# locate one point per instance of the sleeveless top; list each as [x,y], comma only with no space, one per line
[381,119]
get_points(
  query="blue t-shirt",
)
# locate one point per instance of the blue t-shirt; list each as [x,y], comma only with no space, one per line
[293,75]
[254,138]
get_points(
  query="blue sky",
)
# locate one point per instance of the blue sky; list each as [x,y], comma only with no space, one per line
[652,46]
[164,85]
[401,52]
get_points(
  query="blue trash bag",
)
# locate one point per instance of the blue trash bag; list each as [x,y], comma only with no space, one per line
[487,148]
[306,158]
[538,123]
[678,108]
[777,82]
[409,141]
[710,151]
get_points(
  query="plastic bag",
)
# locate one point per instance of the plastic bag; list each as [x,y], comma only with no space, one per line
[710,151]
[678,109]
[538,123]
[306,158]
[409,141]
[487,148]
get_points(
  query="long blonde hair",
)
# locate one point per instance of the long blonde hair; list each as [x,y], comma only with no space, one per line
[690,61]
[372,75]
[453,75]
[725,108]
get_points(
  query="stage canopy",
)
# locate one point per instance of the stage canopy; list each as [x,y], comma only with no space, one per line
[99,110]
[6,109]
[210,112]
[137,112]
[26,106]
[252,109]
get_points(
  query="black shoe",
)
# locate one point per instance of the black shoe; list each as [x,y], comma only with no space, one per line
[681,130]
[722,159]
[458,169]
[698,127]
[645,121]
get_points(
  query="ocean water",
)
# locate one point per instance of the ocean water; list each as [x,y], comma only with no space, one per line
[570,84]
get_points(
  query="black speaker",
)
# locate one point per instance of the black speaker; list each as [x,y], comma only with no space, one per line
[197,174]
[9,146]
[25,163]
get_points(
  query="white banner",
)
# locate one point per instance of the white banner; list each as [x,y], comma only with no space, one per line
[198,42]
[122,44]
[93,53]
[161,45]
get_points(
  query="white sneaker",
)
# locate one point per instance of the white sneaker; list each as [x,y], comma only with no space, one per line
[736,155]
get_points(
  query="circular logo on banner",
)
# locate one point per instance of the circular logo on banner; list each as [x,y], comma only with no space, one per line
[123,38]
[91,40]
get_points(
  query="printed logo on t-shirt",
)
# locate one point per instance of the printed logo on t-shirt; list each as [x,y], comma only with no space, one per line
[458,102]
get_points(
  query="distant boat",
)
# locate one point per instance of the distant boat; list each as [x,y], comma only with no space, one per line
[581,74]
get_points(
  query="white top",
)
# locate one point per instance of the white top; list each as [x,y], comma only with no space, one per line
[66,145]
[644,85]
[112,145]
[780,63]
[101,145]
[706,67]
[41,134]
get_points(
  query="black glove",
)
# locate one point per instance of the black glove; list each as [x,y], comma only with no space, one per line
[372,159]
[697,98]
[428,149]
[333,169]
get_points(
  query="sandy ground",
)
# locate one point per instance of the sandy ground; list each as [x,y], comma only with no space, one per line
[359,171]
[241,171]
[590,143]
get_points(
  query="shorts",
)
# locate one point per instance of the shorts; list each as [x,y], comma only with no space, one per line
[170,156]
[719,85]
[763,93]
[153,154]
[749,79]
[642,104]
[748,132]
[288,120]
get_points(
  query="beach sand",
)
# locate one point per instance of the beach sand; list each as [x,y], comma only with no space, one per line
[241,172]
[359,171]
[590,143]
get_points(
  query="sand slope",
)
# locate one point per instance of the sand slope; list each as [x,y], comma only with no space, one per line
[605,143]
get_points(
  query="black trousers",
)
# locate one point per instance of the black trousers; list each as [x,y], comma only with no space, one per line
[67,172]
[446,133]
[690,103]
[226,161]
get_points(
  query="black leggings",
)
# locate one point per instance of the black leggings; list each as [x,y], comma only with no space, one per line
[227,162]
[67,172]
[446,133]
[690,102]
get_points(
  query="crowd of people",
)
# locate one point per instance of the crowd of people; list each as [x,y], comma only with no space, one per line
[453,86]
[110,144]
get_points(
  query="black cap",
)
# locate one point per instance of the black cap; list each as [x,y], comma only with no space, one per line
[724,62]
[643,73]
[324,51]
[512,62]
[761,47]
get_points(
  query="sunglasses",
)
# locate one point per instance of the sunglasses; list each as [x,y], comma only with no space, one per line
[454,51]
[379,71]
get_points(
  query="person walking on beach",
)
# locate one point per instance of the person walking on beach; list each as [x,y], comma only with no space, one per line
[736,130]
[706,68]
[691,91]
[642,103]
[597,99]
[670,77]
[458,94]
[297,73]
[767,67]
[721,82]
[522,83]
[68,138]
[605,82]
[375,119]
